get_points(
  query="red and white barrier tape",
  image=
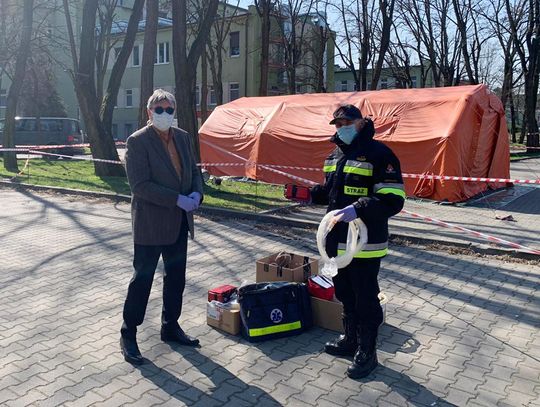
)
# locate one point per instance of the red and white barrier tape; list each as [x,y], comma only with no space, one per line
[274,167]
[472,179]
[55,146]
[484,236]
[76,158]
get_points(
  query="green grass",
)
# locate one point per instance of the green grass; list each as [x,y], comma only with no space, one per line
[243,196]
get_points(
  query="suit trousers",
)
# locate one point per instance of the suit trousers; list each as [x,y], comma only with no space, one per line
[357,288]
[145,261]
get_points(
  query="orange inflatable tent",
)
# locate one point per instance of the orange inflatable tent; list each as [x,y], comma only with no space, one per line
[458,131]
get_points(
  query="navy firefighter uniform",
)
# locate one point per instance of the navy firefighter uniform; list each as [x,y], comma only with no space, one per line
[362,179]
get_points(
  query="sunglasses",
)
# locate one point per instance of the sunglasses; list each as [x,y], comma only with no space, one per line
[160,110]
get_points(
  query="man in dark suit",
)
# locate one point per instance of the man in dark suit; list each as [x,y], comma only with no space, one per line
[166,187]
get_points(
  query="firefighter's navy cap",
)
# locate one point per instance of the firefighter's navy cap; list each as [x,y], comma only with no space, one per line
[347,112]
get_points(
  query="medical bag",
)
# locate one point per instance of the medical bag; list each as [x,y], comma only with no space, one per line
[321,287]
[274,310]
[222,293]
[297,193]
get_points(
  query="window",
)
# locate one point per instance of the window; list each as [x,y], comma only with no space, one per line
[197,95]
[135,56]
[344,86]
[73,126]
[413,82]
[368,85]
[25,125]
[384,83]
[50,125]
[162,53]
[234,91]
[129,97]
[3,97]
[212,96]
[234,44]
[128,129]
[115,131]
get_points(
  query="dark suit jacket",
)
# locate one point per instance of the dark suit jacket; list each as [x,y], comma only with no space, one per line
[155,185]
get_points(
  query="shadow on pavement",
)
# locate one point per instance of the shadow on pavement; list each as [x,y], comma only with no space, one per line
[225,383]
[413,392]
[393,339]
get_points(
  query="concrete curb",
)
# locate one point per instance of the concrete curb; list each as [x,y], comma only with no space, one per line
[280,220]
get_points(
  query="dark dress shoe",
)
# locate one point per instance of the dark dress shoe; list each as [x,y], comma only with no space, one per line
[130,350]
[177,335]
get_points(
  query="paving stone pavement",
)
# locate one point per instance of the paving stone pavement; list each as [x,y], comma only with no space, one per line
[459,330]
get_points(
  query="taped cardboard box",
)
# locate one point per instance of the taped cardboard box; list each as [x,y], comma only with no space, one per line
[227,320]
[327,314]
[298,270]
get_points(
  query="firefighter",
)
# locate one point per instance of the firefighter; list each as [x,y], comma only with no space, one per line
[363,180]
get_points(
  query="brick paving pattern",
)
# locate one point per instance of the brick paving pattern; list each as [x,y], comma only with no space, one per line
[459,331]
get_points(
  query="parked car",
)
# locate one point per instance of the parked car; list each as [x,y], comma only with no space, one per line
[32,131]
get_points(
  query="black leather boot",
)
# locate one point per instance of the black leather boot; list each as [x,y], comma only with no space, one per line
[365,358]
[344,345]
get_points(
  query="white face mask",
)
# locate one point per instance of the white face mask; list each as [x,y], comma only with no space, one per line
[163,121]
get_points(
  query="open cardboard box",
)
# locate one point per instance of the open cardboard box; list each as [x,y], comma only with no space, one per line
[327,314]
[225,319]
[300,268]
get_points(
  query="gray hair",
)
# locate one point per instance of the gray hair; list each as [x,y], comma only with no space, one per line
[160,95]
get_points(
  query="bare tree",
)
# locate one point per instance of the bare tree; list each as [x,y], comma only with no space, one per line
[38,95]
[399,59]
[98,114]
[431,24]
[105,41]
[149,54]
[386,9]
[528,51]
[354,43]
[204,87]
[216,48]
[318,47]
[186,56]
[10,159]
[265,8]
[294,27]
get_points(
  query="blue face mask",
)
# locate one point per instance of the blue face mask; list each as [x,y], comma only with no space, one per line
[347,133]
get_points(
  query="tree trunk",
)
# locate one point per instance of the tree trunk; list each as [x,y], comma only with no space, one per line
[83,76]
[119,67]
[265,46]
[364,54]
[186,61]
[147,64]
[204,87]
[387,11]
[531,93]
[10,159]
[320,62]
[462,28]
[512,117]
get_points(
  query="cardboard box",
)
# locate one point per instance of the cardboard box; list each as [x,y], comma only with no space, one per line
[327,314]
[227,320]
[300,268]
